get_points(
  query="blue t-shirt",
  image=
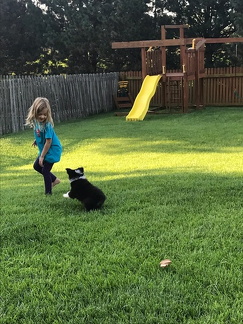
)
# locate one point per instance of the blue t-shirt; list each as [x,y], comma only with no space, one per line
[42,132]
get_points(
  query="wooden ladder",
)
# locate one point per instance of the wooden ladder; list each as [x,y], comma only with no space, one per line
[174,93]
[123,98]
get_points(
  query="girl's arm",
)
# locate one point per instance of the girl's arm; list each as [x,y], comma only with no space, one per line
[45,150]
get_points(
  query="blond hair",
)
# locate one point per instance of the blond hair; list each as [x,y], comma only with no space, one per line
[38,105]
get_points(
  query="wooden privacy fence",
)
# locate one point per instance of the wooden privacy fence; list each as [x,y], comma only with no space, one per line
[70,96]
[222,86]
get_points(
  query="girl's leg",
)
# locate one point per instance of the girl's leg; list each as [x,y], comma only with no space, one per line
[49,177]
[36,166]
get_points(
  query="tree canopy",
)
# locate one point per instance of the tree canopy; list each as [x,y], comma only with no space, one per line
[75,36]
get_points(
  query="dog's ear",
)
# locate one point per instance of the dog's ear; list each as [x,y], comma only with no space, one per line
[68,170]
[81,169]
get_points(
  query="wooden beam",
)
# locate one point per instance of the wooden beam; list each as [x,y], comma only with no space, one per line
[225,40]
[182,47]
[200,43]
[148,43]
[174,42]
[175,26]
[143,58]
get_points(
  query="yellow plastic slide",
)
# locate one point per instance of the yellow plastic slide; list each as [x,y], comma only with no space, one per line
[141,103]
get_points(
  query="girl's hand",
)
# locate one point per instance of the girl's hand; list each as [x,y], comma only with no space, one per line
[44,151]
[41,160]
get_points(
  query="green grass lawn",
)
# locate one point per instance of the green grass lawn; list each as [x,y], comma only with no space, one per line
[174,186]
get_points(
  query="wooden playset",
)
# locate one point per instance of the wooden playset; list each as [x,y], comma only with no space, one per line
[189,76]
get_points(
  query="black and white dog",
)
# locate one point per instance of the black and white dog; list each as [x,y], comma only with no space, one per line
[89,195]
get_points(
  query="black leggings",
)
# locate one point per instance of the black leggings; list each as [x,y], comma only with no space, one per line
[49,178]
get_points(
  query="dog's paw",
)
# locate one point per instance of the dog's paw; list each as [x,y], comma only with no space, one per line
[66,195]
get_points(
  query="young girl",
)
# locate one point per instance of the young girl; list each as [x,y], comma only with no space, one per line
[50,149]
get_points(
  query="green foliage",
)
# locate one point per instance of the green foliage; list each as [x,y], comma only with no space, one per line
[174,188]
[21,35]
[91,26]
[209,19]
[46,36]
